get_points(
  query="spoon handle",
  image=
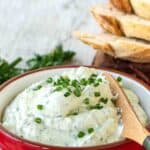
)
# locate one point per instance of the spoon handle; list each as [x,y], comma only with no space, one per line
[146,143]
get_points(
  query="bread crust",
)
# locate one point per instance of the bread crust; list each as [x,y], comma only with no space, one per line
[119,47]
[122,24]
[139,7]
[109,23]
[123,5]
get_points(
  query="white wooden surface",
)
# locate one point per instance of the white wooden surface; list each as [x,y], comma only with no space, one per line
[36,26]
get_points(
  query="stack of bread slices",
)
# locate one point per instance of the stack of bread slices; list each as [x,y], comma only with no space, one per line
[126,25]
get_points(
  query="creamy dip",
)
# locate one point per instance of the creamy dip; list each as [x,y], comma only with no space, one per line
[75,108]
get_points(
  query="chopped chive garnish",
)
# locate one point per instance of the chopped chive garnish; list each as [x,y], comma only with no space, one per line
[40,107]
[38,120]
[75,83]
[58,89]
[69,90]
[91,81]
[86,101]
[100,80]
[64,85]
[77,92]
[73,114]
[49,80]
[81,134]
[97,106]
[104,100]
[67,94]
[83,81]
[90,130]
[96,84]
[97,94]
[119,79]
[94,75]
[37,88]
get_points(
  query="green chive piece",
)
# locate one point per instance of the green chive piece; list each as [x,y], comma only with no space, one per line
[67,94]
[75,83]
[96,84]
[72,114]
[97,94]
[99,80]
[91,81]
[40,107]
[59,88]
[49,80]
[104,100]
[69,90]
[37,88]
[81,134]
[86,101]
[83,81]
[119,79]
[38,120]
[90,130]
[97,106]
[77,93]
[93,75]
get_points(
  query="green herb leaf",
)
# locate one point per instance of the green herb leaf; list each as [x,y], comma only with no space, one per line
[49,80]
[67,94]
[90,130]
[38,120]
[9,70]
[40,107]
[97,94]
[37,88]
[81,134]
[86,101]
[77,92]
[57,57]
[97,106]
[83,81]
[104,100]
[99,80]
[119,79]
[59,88]
[96,84]
[72,114]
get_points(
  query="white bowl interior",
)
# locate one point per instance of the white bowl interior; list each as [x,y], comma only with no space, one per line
[15,87]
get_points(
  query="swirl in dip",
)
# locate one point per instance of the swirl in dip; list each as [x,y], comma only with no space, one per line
[75,108]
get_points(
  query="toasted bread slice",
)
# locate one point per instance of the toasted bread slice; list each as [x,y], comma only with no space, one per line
[119,23]
[123,5]
[140,7]
[118,46]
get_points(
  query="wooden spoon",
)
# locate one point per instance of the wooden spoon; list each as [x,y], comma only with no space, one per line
[133,129]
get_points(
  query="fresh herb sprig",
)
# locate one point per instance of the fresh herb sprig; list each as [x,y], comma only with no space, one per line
[9,70]
[57,57]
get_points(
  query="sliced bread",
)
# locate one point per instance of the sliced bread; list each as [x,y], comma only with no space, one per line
[123,5]
[140,7]
[117,46]
[120,23]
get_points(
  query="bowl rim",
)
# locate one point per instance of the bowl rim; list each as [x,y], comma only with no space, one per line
[104,146]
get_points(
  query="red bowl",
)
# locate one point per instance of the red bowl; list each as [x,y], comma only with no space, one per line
[11,88]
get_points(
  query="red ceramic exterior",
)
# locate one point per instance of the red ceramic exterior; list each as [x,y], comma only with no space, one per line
[9,141]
